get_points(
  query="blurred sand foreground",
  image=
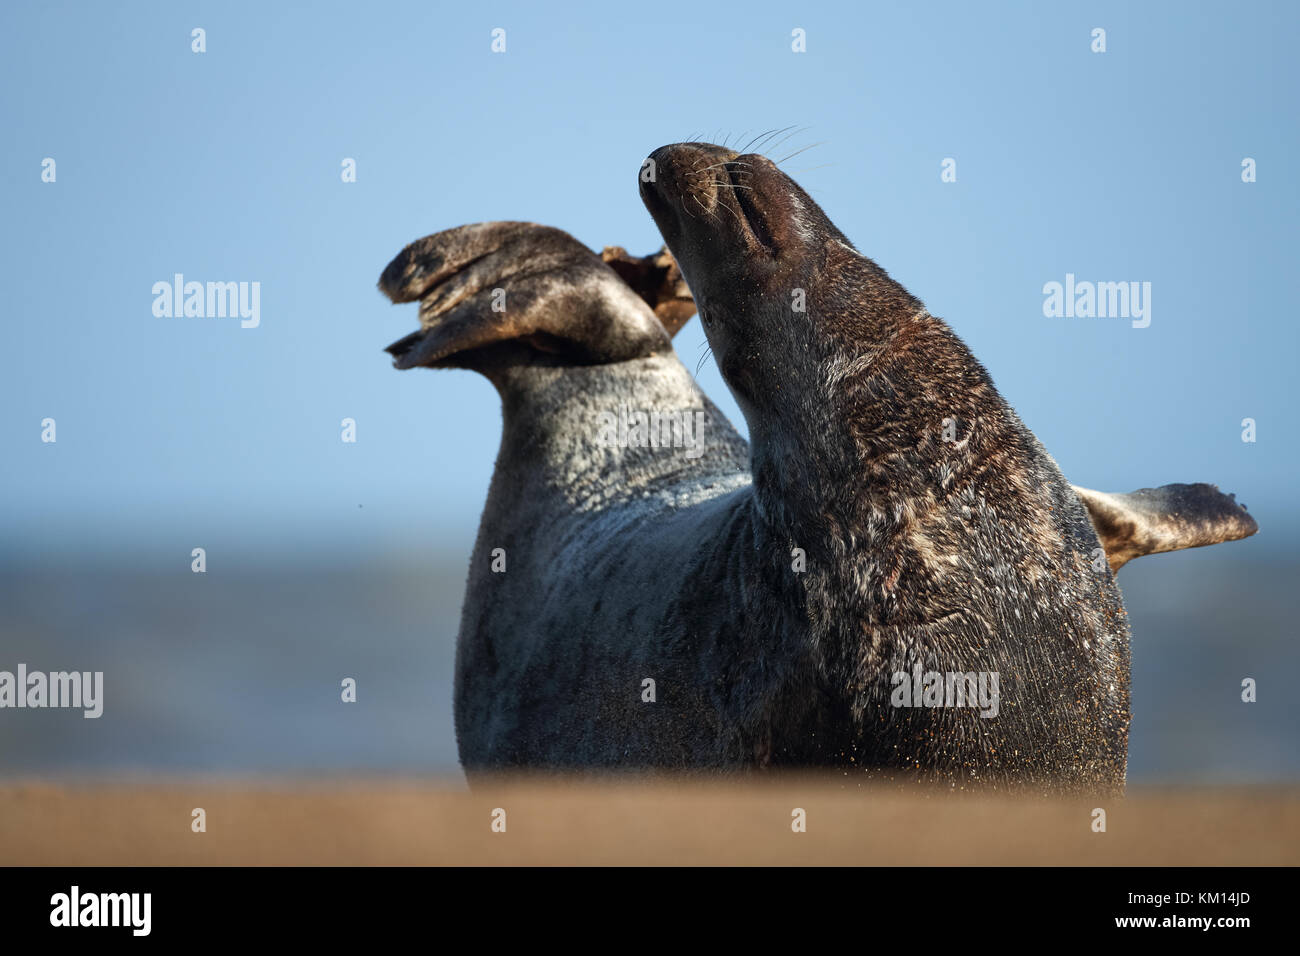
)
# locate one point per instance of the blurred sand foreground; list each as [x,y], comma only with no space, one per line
[629,822]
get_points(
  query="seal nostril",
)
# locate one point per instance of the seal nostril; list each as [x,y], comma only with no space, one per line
[742,188]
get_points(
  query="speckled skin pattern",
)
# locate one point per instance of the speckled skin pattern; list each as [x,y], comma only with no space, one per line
[937,529]
[896,512]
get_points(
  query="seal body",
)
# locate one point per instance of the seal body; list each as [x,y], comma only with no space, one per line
[632,564]
[618,557]
[940,538]
[893,579]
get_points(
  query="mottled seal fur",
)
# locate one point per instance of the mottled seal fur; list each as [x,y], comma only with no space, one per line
[770,614]
[938,531]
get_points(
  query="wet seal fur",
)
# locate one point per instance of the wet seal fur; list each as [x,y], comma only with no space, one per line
[970,554]
[938,531]
[633,564]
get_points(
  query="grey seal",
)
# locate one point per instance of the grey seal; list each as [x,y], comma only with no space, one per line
[769,631]
[941,537]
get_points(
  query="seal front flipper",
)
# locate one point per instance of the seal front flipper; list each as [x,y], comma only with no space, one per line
[1167,518]
[657,279]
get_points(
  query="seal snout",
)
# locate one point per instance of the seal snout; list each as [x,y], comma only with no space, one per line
[400,280]
[685,177]
[705,196]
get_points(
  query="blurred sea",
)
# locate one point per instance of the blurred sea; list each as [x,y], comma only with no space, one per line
[237,671]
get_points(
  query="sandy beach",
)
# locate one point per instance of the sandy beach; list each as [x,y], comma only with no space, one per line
[421,822]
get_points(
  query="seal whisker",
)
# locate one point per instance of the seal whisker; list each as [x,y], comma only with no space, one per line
[778,132]
[723,182]
[772,146]
[730,211]
[733,212]
[703,358]
[702,209]
[798,151]
[757,138]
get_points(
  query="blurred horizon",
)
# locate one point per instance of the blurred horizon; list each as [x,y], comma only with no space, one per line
[236,671]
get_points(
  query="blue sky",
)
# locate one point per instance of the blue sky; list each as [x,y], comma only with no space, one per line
[175,432]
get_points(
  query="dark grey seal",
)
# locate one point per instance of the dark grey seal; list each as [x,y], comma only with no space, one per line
[940,536]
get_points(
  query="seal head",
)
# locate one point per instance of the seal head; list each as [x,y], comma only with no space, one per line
[499,294]
[761,258]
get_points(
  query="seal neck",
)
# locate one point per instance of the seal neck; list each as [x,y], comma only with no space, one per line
[858,473]
[588,436]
